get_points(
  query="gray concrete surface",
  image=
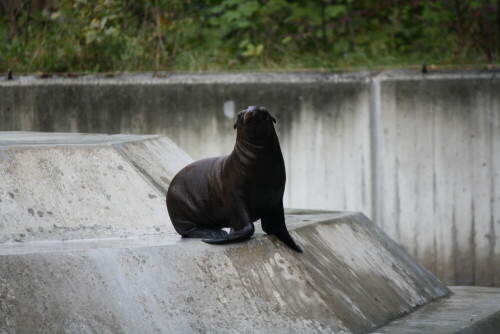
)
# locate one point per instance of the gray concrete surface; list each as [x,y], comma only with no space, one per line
[439,173]
[198,112]
[414,152]
[469,310]
[106,259]
[351,278]
[72,186]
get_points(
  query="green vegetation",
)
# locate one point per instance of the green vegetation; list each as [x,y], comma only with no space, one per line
[205,35]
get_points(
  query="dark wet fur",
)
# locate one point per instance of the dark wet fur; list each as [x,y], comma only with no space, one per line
[235,190]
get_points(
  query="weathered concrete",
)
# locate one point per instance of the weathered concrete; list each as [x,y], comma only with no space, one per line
[322,120]
[70,186]
[414,152]
[112,264]
[439,173]
[470,310]
[351,278]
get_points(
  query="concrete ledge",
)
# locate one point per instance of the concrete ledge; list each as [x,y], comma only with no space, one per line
[351,278]
[242,77]
[58,186]
[469,310]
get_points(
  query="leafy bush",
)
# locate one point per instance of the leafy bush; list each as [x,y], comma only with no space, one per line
[127,35]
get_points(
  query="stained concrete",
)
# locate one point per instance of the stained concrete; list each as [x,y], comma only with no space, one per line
[198,112]
[439,173]
[469,310]
[415,152]
[351,278]
[73,186]
[106,260]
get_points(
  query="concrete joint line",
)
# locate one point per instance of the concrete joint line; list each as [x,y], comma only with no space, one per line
[161,191]
[375,106]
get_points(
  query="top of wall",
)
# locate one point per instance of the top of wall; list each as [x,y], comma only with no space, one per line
[240,77]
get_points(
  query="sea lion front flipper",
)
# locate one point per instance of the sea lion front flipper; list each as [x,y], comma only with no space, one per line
[241,226]
[274,223]
[234,236]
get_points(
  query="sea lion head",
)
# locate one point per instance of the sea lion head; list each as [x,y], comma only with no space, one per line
[255,123]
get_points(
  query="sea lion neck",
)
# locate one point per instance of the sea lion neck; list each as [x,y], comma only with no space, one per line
[253,141]
[249,153]
[246,151]
[257,145]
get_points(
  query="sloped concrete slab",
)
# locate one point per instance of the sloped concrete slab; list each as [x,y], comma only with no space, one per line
[351,278]
[469,310]
[158,160]
[86,246]
[73,186]
[363,273]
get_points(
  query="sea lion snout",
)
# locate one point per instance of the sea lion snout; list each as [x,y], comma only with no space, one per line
[253,115]
[252,108]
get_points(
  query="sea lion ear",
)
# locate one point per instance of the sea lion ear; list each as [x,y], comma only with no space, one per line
[269,116]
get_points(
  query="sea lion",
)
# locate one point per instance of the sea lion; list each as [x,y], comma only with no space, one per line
[235,190]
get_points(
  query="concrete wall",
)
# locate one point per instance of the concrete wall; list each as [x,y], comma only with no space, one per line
[439,165]
[414,152]
[322,121]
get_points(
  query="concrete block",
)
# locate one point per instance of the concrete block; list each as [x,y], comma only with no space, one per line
[351,278]
[469,310]
[75,186]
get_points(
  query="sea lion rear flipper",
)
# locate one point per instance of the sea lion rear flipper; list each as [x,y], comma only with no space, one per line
[274,223]
[287,239]
[234,236]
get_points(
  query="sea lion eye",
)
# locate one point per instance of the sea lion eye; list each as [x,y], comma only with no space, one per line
[238,120]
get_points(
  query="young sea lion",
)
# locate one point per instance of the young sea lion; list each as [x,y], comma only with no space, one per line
[235,190]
